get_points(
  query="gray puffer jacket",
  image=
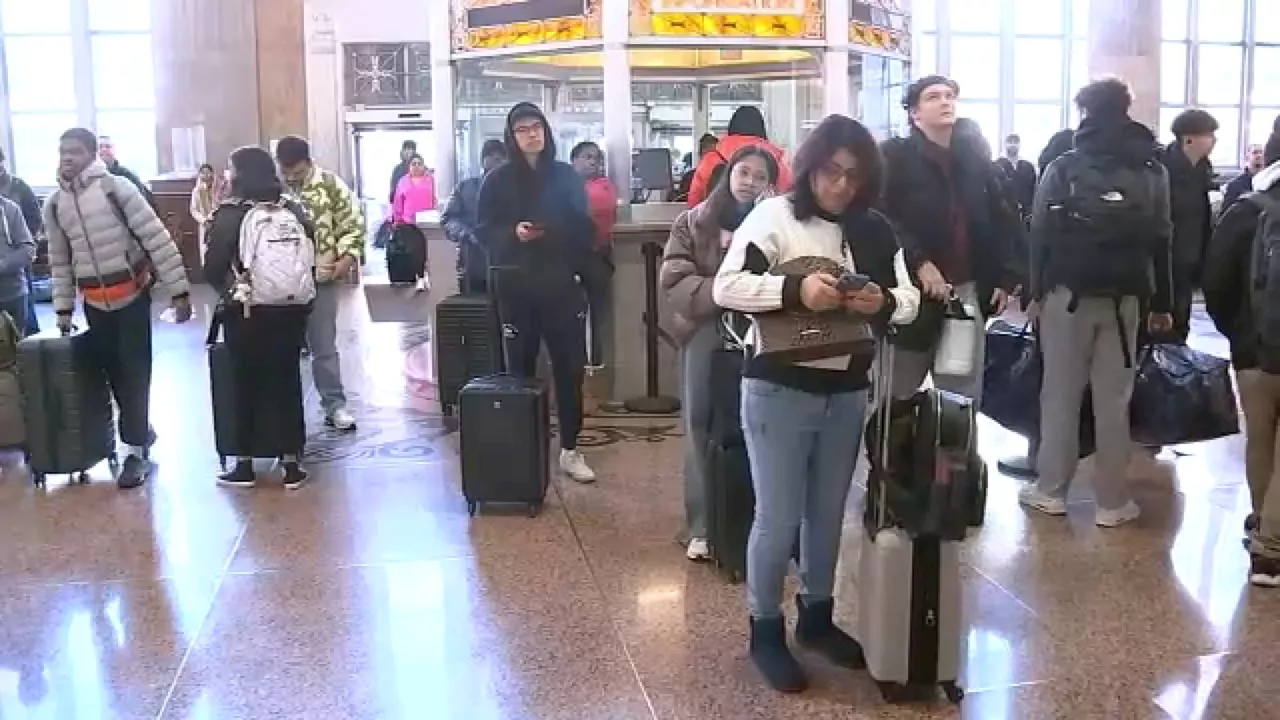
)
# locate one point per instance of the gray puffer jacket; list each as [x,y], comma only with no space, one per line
[17,249]
[103,233]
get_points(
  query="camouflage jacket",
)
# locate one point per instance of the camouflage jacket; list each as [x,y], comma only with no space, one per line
[335,212]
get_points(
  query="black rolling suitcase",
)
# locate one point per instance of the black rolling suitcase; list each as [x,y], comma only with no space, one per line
[222,391]
[731,502]
[468,342]
[66,404]
[505,441]
[401,268]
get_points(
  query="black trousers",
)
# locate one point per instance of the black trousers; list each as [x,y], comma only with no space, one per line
[530,321]
[121,343]
[265,350]
[1184,290]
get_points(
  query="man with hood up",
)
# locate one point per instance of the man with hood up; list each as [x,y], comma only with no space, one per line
[532,216]
[1108,198]
[746,127]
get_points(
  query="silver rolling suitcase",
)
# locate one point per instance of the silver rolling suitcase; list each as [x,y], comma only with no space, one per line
[909,620]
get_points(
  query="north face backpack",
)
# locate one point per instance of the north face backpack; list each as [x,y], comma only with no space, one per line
[277,256]
[1264,280]
[1103,233]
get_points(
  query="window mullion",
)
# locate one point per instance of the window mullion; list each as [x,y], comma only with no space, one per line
[6,129]
[1247,79]
[943,23]
[1006,97]
[82,64]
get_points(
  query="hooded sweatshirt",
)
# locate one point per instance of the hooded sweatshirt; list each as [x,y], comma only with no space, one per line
[550,195]
[746,128]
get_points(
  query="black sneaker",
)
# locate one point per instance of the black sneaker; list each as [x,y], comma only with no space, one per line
[133,473]
[1264,572]
[294,476]
[240,476]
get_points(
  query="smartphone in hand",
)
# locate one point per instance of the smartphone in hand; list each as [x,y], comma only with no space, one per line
[851,282]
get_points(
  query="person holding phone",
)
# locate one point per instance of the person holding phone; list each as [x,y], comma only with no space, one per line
[532,215]
[803,421]
[699,238]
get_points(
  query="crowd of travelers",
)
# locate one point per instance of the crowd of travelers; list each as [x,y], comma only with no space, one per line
[926,222]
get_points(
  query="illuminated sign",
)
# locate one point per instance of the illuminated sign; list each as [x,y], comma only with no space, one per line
[880,24]
[733,7]
[784,19]
[490,24]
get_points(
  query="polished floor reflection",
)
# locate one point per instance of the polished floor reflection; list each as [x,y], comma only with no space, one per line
[372,594]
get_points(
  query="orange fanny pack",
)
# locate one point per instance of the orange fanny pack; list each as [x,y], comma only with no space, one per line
[105,294]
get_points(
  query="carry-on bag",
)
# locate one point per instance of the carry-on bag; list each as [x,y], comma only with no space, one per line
[468,342]
[909,619]
[504,441]
[13,430]
[66,405]
[226,423]
[401,266]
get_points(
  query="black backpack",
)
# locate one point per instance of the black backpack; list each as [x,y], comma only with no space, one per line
[1103,234]
[1264,280]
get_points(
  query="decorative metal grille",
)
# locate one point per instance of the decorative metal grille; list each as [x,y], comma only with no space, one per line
[384,74]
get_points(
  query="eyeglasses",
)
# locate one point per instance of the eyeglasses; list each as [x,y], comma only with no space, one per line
[834,172]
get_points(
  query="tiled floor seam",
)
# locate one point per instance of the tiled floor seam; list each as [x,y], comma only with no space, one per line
[595,583]
[195,637]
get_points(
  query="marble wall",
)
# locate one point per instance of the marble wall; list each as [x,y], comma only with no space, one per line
[233,67]
[1125,42]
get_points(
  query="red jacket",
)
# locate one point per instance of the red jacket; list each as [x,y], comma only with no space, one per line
[724,151]
[602,202]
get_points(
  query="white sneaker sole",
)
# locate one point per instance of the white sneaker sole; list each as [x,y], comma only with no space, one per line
[1052,509]
[1264,581]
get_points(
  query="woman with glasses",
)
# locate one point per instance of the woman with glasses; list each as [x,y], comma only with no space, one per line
[803,420]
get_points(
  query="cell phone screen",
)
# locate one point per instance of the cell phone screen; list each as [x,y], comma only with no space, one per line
[852,282]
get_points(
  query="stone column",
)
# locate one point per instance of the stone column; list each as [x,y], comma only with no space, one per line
[1124,41]
[282,75]
[206,74]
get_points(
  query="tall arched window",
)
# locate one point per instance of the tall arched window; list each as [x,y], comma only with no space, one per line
[67,63]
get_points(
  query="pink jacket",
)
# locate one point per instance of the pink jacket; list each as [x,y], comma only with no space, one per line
[413,195]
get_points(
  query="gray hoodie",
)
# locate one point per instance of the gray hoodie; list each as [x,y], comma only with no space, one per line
[17,249]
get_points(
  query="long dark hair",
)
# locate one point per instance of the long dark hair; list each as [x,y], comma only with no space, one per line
[255,176]
[721,204]
[835,133]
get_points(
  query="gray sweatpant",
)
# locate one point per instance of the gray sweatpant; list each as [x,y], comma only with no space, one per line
[1082,347]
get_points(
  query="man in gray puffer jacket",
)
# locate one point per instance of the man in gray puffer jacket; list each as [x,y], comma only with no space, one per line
[17,250]
[106,242]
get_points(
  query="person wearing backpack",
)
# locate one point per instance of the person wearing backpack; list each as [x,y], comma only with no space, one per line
[261,259]
[17,250]
[746,127]
[107,245]
[1100,248]
[1242,296]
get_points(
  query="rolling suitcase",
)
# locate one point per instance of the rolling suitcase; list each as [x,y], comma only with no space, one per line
[468,342]
[504,441]
[731,501]
[401,268]
[66,405]
[909,619]
[222,391]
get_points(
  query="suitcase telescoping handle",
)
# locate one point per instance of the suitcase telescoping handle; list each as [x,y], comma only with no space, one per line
[883,401]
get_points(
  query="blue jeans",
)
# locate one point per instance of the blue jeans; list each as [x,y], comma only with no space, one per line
[803,449]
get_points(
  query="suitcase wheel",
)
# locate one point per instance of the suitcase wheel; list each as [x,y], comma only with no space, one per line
[534,509]
[37,478]
[954,692]
[80,478]
[113,462]
[222,462]
[893,693]
[471,508]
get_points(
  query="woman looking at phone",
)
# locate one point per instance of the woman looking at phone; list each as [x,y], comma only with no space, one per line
[697,244]
[803,421]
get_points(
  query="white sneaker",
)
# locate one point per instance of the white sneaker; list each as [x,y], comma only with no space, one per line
[573,464]
[1030,496]
[341,420]
[1115,518]
[698,550]
[423,284]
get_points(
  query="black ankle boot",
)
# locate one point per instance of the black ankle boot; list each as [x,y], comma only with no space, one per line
[773,658]
[816,631]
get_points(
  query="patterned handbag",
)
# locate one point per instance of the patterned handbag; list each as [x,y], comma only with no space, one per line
[804,336]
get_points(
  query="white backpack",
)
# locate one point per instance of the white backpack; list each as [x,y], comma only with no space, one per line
[278,257]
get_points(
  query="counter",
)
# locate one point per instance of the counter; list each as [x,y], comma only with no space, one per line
[625,344]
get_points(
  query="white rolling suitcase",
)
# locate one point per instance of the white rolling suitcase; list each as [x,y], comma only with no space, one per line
[909,619]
